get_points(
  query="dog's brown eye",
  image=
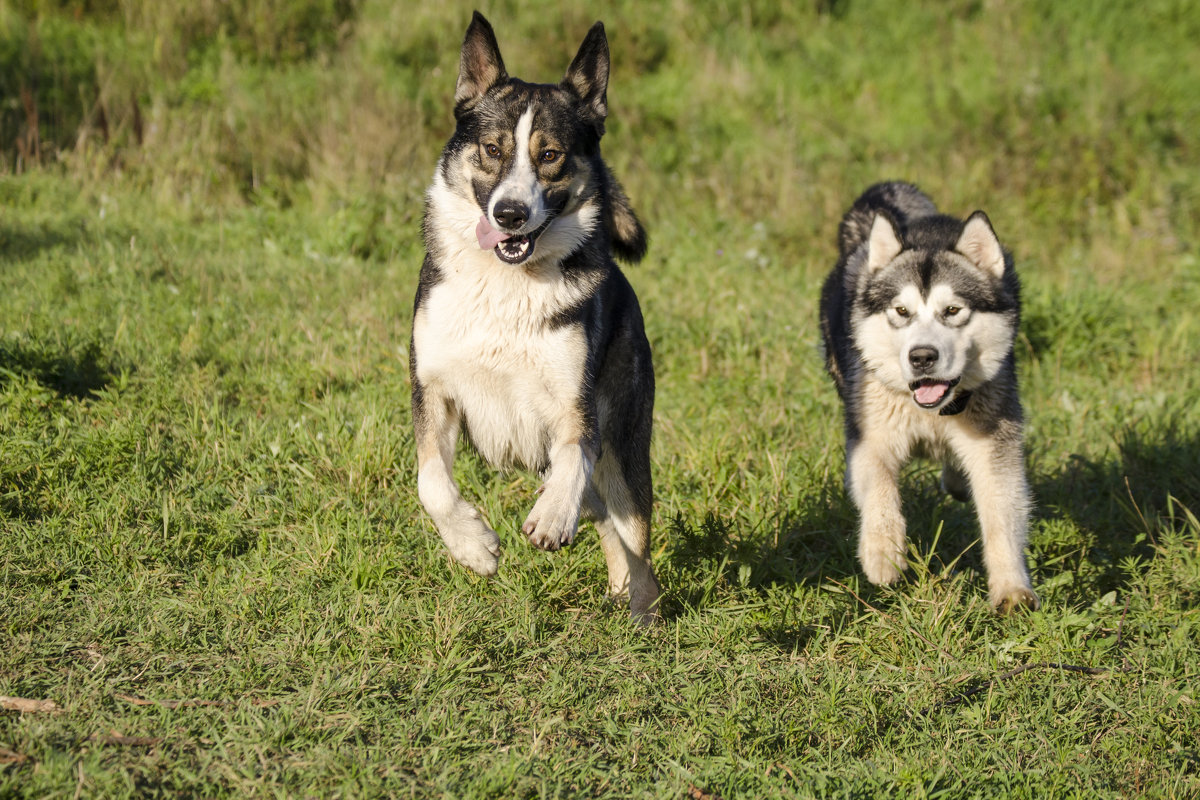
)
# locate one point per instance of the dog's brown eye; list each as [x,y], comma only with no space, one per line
[492,150]
[550,156]
[902,311]
[952,310]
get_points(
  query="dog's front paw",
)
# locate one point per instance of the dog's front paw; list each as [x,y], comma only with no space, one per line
[1006,600]
[552,522]
[474,545]
[881,552]
[883,566]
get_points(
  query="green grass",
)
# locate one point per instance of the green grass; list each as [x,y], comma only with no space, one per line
[212,557]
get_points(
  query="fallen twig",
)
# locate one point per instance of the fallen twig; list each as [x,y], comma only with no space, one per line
[138,701]
[1012,673]
[10,757]
[173,704]
[27,706]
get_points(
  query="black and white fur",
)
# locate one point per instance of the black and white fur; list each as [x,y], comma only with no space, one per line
[918,319]
[525,332]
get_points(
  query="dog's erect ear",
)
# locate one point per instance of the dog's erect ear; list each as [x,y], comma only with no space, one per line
[979,244]
[587,77]
[883,245]
[480,66]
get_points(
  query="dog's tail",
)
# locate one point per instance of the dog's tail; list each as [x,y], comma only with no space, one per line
[901,202]
[625,232]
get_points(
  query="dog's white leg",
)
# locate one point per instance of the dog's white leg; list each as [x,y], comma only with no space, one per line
[872,478]
[1003,503]
[624,529]
[555,516]
[468,538]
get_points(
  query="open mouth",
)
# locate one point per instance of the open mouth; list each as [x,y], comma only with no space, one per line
[929,392]
[509,248]
[516,249]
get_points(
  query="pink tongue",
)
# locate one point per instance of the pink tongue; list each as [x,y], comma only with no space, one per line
[929,393]
[488,236]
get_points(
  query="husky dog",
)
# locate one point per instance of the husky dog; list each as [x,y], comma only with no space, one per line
[918,319]
[525,332]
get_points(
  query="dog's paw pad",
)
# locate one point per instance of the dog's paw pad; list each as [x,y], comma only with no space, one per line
[1012,600]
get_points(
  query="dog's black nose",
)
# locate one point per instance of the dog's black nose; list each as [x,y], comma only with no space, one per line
[923,358]
[510,215]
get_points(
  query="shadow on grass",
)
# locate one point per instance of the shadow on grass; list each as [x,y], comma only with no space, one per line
[717,556]
[75,371]
[71,370]
[1099,519]
[19,243]
[1095,522]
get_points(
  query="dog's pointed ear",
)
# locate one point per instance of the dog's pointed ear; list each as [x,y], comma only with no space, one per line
[883,244]
[480,66]
[587,77]
[979,244]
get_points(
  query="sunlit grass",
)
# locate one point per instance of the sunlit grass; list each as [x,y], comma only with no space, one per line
[212,557]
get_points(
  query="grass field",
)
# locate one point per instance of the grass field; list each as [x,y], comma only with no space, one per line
[213,563]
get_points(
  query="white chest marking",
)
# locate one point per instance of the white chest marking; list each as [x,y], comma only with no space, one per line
[481,340]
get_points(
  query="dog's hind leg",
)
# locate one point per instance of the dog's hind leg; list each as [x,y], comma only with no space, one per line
[468,538]
[955,483]
[624,528]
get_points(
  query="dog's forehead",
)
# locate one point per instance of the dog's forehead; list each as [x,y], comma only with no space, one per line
[917,277]
[954,274]
[942,294]
[501,110]
[904,272]
[928,270]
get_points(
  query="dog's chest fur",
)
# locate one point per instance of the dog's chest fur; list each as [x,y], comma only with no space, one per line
[483,333]
[890,416]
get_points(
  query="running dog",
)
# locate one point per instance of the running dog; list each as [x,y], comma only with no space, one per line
[525,332]
[918,320]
